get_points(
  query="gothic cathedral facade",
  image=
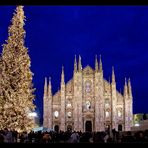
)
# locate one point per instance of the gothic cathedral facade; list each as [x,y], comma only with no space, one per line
[88,102]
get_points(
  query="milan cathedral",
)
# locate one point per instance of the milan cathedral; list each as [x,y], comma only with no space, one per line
[88,102]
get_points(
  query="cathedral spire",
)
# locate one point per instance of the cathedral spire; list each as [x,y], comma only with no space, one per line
[96,64]
[129,87]
[62,76]
[113,75]
[62,96]
[49,88]
[45,88]
[125,88]
[49,80]
[80,65]
[100,64]
[75,64]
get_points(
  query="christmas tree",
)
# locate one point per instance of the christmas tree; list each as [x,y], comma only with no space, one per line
[16,88]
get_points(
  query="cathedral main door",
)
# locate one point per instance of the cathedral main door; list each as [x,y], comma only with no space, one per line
[88,126]
[56,128]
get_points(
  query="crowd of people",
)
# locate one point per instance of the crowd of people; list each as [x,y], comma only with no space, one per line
[12,136]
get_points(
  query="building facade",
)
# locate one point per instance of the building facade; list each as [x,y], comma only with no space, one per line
[88,102]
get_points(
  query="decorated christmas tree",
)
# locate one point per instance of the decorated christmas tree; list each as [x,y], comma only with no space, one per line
[16,88]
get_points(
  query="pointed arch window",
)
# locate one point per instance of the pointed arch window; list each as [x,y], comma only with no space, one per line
[107,103]
[69,114]
[88,105]
[88,86]
[56,114]
[69,104]
[119,112]
[107,114]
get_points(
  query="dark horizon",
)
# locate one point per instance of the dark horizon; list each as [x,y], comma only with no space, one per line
[54,34]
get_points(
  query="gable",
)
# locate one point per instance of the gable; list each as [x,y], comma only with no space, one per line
[88,70]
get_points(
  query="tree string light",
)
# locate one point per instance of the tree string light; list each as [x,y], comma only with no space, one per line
[16,88]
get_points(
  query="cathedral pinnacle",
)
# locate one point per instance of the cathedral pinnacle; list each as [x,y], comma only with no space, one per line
[125,81]
[80,65]
[75,64]
[45,88]
[113,75]
[129,81]
[96,64]
[62,75]
[129,87]
[125,88]
[62,69]
[49,79]
[49,88]
[100,64]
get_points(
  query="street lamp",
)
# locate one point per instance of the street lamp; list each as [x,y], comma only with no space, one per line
[32,114]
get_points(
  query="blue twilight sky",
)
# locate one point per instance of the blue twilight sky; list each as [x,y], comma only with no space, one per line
[54,34]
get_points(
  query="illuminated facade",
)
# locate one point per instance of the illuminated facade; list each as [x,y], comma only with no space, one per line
[88,102]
